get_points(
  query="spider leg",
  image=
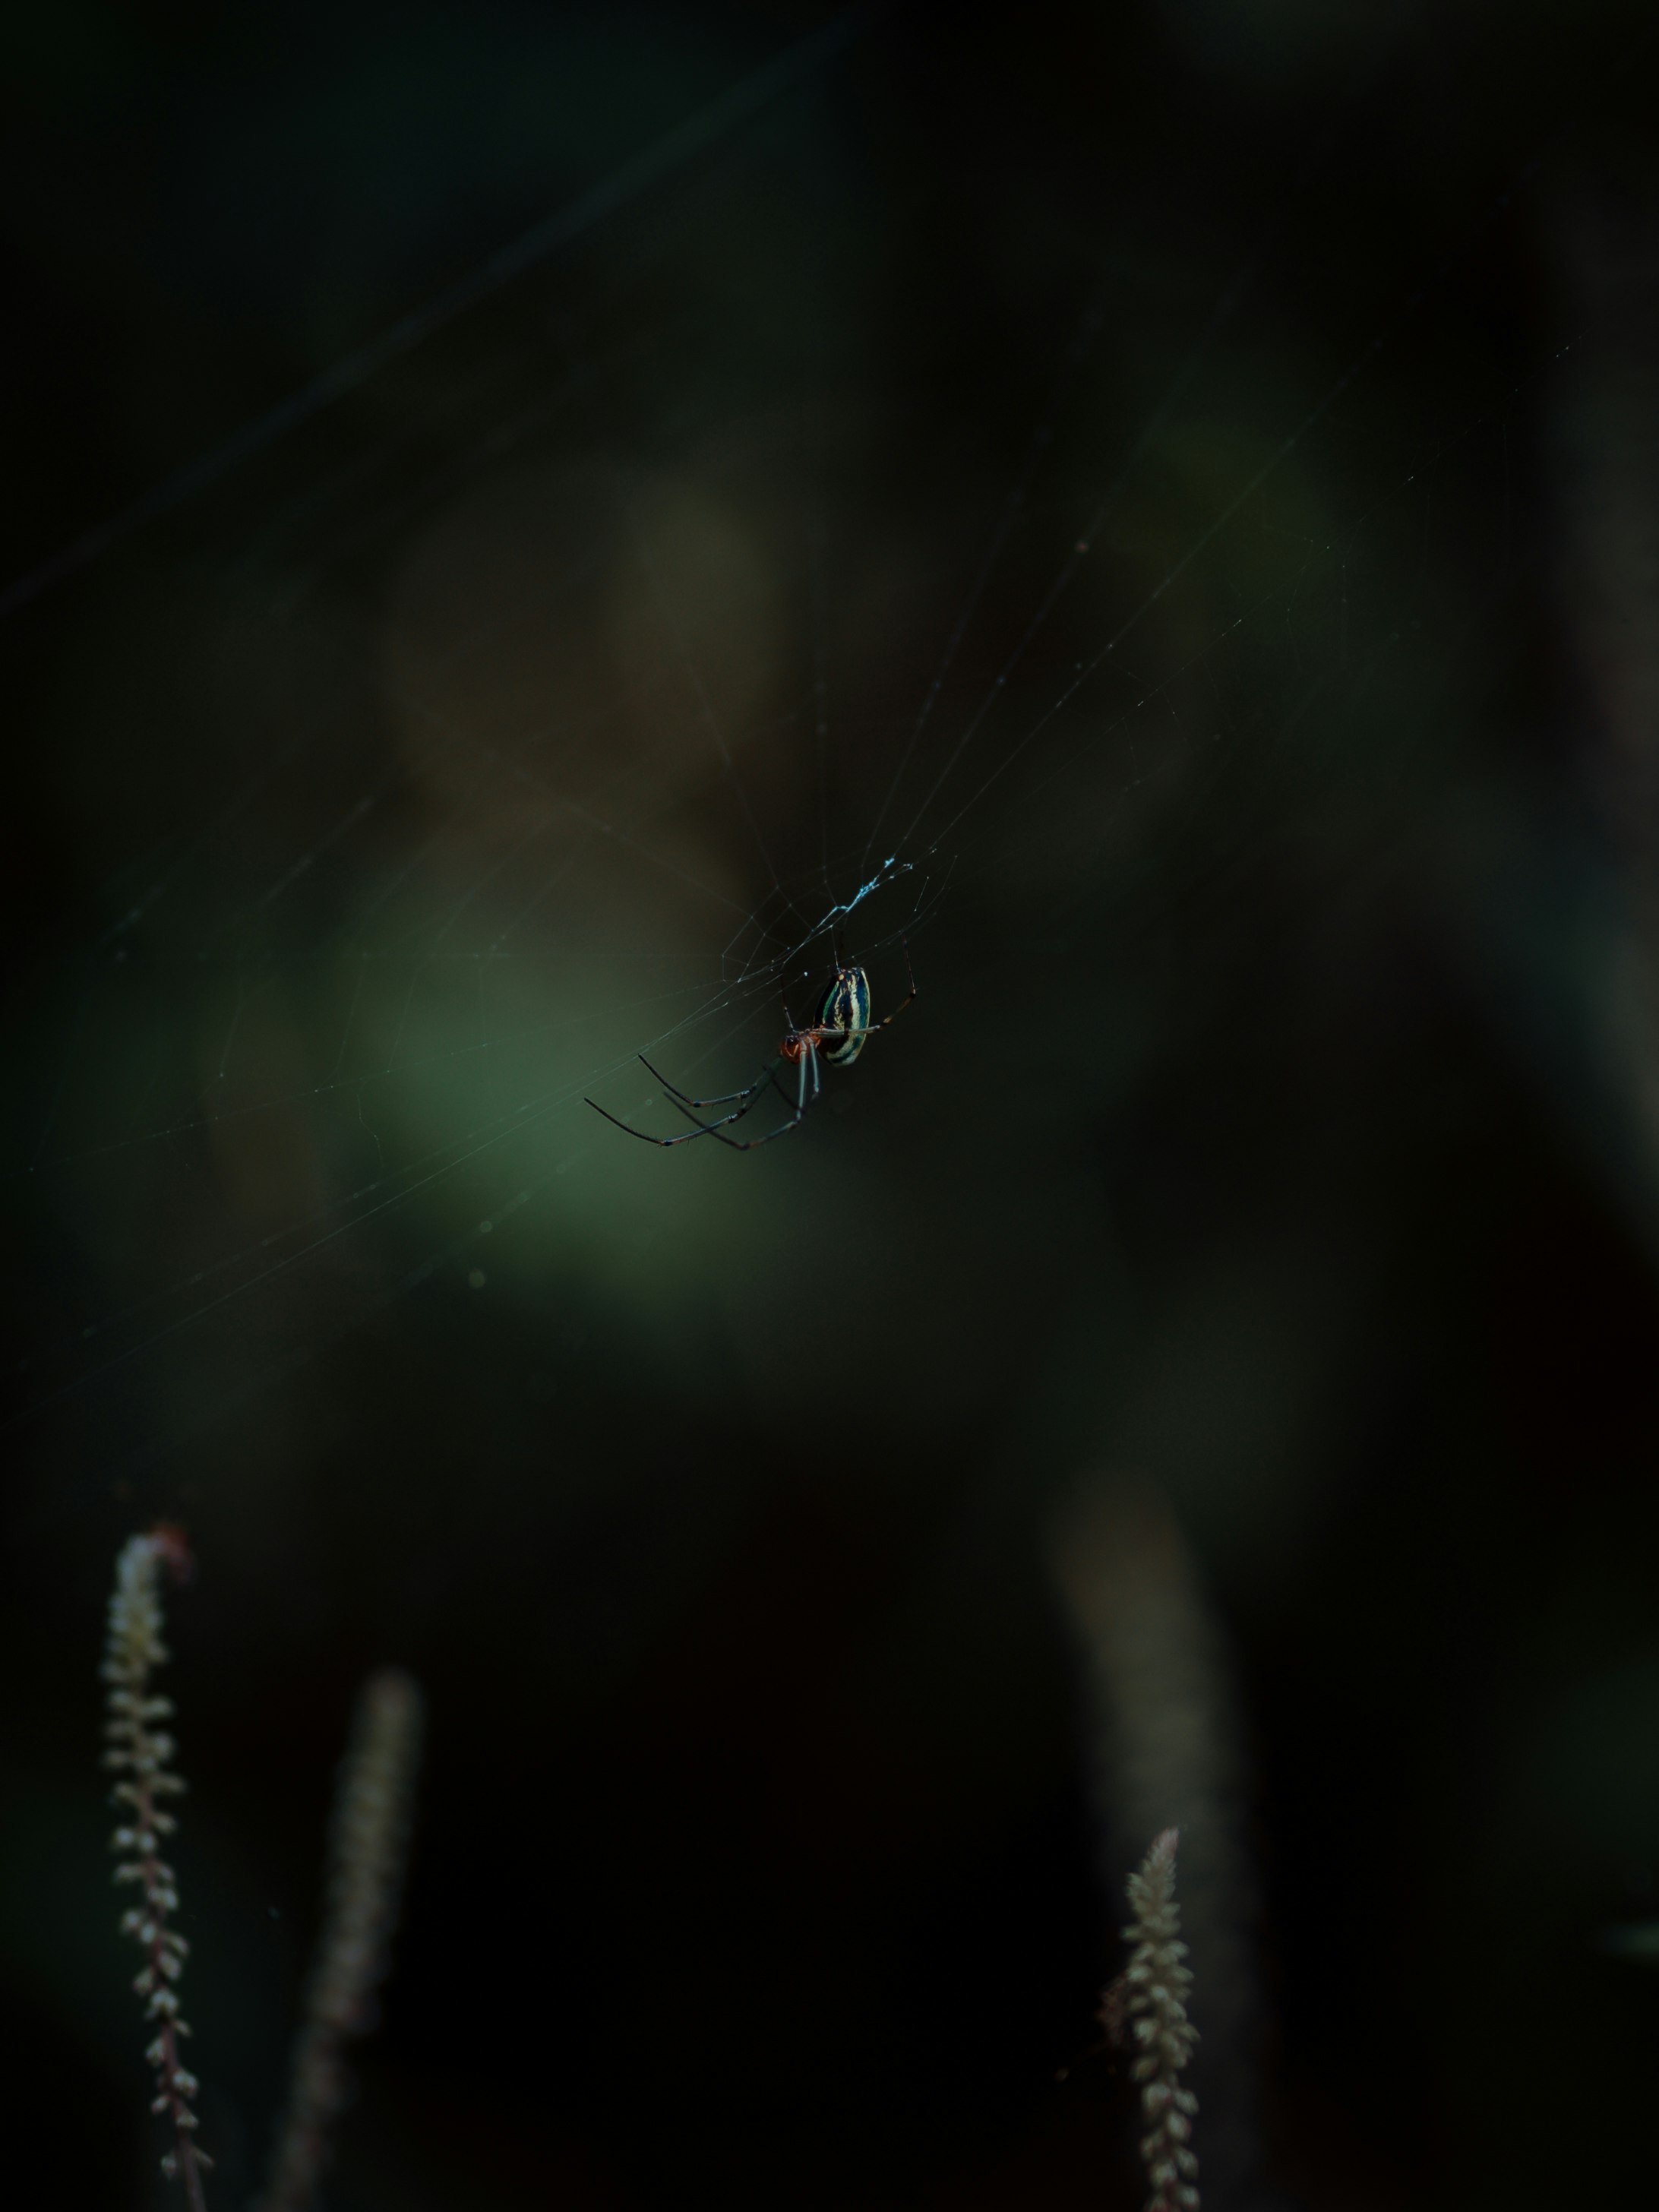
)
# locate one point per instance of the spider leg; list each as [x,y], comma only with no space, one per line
[808,1089]
[753,1144]
[752,1097]
[804,1099]
[645,1138]
[746,1099]
[726,1098]
[755,1090]
[910,974]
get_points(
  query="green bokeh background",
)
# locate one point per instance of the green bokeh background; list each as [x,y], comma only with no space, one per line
[1263,1129]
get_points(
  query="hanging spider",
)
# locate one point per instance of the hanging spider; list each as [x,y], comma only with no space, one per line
[839,1035]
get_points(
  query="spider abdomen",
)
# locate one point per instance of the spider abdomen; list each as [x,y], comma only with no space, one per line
[844,1016]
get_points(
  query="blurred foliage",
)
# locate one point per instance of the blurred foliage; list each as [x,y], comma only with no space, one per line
[1269,1126]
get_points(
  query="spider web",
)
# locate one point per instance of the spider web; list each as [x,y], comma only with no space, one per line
[690,589]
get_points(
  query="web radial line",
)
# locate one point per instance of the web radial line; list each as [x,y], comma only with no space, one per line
[280,1267]
[1357,362]
[814,440]
[517,771]
[681,144]
[719,1044]
[1076,353]
[1320,681]
[245,1394]
[71,1052]
[350,1022]
[475,640]
[395,510]
[483,883]
[816,598]
[1206,539]
[593,831]
[715,1003]
[1233,293]
[595,827]
[1496,204]
[609,830]
[273,763]
[235,1024]
[475,1141]
[550,882]
[409,997]
[478,1141]
[639,541]
[1226,307]
[172,852]
[1154,690]
[502,438]
[1227,304]
[710,720]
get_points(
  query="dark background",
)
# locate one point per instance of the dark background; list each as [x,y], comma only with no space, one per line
[1276,1130]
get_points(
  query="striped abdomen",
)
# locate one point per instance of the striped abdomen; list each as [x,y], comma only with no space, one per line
[845,1009]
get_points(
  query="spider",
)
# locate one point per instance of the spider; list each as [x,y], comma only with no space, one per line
[839,1035]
